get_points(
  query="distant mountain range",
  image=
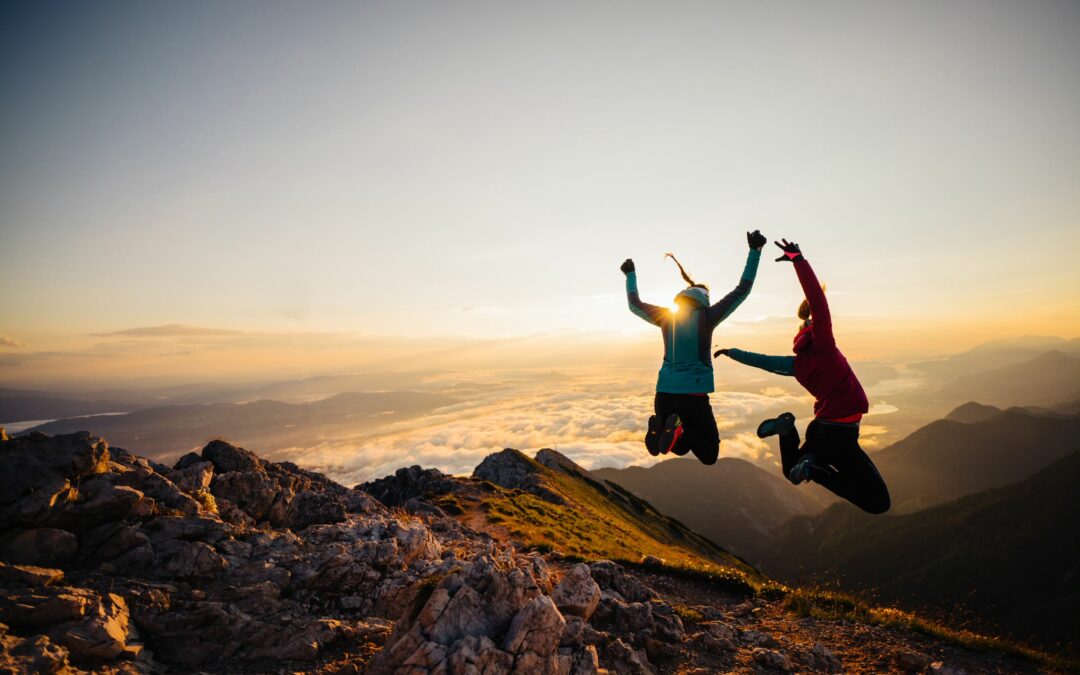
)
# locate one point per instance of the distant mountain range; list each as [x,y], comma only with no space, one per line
[1049,378]
[19,405]
[948,459]
[1007,557]
[167,431]
[996,354]
[737,504]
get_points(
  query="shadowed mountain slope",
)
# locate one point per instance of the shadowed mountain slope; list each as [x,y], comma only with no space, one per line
[1004,558]
[1046,379]
[947,459]
[972,412]
[733,502]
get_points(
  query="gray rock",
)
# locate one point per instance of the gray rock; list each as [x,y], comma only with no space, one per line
[35,461]
[577,593]
[535,629]
[512,469]
[227,457]
[611,576]
[29,576]
[911,661]
[43,546]
[772,659]
[619,657]
[409,483]
[36,654]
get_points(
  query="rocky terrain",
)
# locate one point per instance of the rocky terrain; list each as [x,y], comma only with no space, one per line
[225,562]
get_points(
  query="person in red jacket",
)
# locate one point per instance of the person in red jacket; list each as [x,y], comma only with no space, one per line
[831,455]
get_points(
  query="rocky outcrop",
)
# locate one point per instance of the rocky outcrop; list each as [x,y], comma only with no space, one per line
[223,558]
[490,615]
[557,461]
[410,484]
[512,469]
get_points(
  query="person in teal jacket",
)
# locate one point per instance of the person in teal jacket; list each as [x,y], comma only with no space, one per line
[683,421]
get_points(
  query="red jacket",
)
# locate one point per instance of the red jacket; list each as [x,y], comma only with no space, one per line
[819,365]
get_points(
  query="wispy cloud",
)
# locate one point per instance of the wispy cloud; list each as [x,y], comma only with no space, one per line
[5,341]
[171,330]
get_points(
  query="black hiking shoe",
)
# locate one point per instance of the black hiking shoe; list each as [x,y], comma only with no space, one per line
[779,425]
[652,436]
[807,469]
[673,431]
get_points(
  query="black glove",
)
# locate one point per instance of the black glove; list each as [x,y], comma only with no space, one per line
[628,266]
[790,249]
[756,239]
[723,351]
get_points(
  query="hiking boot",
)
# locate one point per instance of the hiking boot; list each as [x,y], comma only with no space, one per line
[652,436]
[673,431]
[807,469]
[779,425]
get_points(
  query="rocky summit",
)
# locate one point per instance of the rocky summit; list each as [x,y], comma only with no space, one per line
[224,562]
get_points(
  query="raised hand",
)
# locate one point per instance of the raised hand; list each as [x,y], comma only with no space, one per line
[720,352]
[627,266]
[790,249]
[756,239]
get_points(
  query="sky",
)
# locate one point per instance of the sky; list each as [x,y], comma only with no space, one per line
[321,184]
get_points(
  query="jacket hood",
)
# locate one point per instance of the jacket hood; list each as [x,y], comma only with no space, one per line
[803,340]
[695,294]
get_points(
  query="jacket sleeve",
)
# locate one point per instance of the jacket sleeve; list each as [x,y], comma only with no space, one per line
[781,365]
[821,324]
[723,309]
[650,313]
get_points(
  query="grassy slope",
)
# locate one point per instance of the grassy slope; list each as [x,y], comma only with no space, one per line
[603,521]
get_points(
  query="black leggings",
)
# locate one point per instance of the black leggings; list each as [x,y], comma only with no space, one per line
[837,445]
[699,426]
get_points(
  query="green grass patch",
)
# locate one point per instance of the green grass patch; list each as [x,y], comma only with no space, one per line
[689,614]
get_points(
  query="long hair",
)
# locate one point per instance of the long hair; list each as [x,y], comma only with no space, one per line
[689,282]
[804,311]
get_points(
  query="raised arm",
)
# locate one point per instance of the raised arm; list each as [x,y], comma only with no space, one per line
[730,302]
[821,319]
[781,365]
[650,313]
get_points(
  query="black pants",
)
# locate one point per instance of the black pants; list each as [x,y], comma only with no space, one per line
[837,445]
[699,426]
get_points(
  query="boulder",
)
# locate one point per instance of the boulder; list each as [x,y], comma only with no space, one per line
[612,577]
[534,634]
[227,457]
[35,461]
[911,661]
[512,469]
[577,593]
[619,657]
[409,483]
[103,633]
[772,659]
[36,654]
[44,546]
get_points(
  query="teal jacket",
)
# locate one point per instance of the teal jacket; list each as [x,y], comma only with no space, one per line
[687,367]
